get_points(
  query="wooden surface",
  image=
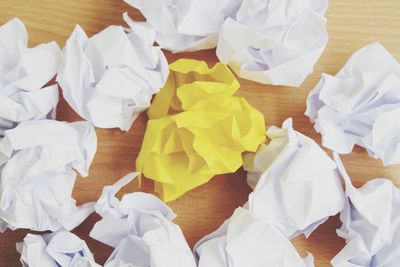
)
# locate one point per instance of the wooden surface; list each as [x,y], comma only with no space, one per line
[351,25]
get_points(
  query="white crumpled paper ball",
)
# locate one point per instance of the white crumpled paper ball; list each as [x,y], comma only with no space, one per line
[370,224]
[188,25]
[58,249]
[296,184]
[360,105]
[23,74]
[110,78]
[248,240]
[38,164]
[140,228]
[274,41]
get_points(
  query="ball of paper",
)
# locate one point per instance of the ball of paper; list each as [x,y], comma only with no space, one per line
[188,25]
[296,184]
[23,74]
[140,228]
[370,224]
[110,78]
[360,105]
[197,129]
[38,164]
[274,42]
[58,249]
[247,240]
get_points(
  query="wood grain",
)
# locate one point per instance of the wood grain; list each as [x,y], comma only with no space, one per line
[351,25]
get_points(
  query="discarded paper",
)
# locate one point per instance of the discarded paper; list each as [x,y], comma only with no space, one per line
[186,25]
[296,184]
[370,224]
[109,79]
[360,105]
[59,249]
[23,74]
[140,228]
[38,160]
[246,240]
[274,42]
[197,129]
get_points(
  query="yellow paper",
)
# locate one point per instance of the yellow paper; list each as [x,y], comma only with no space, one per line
[197,129]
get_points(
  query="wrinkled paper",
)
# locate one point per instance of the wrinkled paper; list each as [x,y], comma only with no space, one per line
[59,249]
[296,184]
[274,42]
[110,78]
[186,25]
[23,73]
[370,224]
[140,228]
[197,129]
[245,240]
[360,105]
[38,160]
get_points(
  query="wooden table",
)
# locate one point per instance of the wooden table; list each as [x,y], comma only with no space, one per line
[351,25]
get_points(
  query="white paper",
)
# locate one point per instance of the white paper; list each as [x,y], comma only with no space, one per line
[296,184]
[245,240]
[274,42]
[360,105]
[23,73]
[370,224]
[188,25]
[59,249]
[140,228]
[109,79]
[38,160]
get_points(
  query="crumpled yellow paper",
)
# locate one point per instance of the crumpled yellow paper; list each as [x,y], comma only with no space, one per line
[197,128]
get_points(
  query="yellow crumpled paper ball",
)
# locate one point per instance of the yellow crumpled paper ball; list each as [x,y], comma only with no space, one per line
[197,128]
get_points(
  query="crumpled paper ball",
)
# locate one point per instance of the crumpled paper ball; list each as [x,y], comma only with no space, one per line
[23,73]
[274,42]
[297,186]
[140,228]
[197,129]
[188,25]
[370,224]
[38,164]
[110,78]
[58,249]
[360,105]
[247,240]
